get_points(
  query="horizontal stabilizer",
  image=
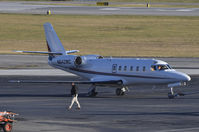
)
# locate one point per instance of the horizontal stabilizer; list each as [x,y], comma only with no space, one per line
[38,52]
[72,51]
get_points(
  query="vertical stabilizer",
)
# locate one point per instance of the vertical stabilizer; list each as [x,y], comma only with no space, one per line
[52,40]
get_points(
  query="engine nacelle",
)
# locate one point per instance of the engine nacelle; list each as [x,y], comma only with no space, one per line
[79,61]
[64,61]
[72,60]
[82,60]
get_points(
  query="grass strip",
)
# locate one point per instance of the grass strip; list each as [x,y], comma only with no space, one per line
[113,35]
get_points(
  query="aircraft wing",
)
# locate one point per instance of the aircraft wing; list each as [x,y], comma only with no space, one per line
[117,82]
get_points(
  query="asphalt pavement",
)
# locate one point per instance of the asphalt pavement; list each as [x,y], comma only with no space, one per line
[43,107]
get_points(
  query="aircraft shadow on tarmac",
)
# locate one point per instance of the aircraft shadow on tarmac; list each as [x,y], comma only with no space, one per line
[85,95]
[33,95]
[82,95]
[46,95]
[109,113]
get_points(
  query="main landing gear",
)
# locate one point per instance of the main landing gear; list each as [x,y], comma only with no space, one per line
[92,91]
[121,91]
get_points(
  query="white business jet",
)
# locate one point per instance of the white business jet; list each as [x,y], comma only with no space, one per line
[119,72]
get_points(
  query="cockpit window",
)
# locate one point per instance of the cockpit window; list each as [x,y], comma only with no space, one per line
[160,67]
[153,68]
[169,66]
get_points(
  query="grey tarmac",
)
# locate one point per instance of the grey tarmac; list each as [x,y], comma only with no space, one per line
[43,107]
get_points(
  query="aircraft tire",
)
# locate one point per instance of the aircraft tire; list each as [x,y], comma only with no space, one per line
[93,94]
[119,92]
[170,95]
[123,93]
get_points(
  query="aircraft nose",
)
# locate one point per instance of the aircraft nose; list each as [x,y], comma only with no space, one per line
[188,78]
[184,77]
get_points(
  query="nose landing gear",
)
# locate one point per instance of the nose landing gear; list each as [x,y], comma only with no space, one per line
[171,94]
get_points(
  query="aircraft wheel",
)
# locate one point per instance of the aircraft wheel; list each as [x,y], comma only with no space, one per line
[119,92]
[7,127]
[170,95]
[92,93]
[122,93]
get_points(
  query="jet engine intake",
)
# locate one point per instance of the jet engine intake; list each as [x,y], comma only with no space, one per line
[78,61]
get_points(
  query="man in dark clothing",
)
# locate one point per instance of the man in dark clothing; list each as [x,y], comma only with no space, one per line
[74,93]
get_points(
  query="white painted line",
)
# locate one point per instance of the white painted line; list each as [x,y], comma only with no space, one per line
[110,9]
[184,10]
[164,10]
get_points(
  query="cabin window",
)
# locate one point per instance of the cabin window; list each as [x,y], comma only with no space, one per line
[144,68]
[131,68]
[125,67]
[114,67]
[120,68]
[137,68]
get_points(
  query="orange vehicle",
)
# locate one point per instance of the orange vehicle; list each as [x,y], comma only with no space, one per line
[6,121]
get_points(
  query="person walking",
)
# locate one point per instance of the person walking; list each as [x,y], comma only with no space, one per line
[74,93]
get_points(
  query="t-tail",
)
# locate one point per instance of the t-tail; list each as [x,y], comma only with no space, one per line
[54,45]
[52,40]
